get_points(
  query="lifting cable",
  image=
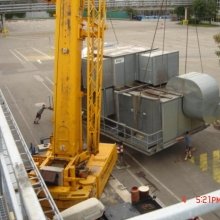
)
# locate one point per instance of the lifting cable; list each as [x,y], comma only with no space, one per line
[116,38]
[164,29]
[155,32]
[187,40]
[186,55]
[200,57]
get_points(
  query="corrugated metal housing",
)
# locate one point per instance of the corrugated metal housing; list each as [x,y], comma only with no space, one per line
[157,67]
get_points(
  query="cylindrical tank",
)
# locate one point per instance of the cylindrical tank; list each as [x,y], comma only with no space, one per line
[135,197]
[200,95]
[143,192]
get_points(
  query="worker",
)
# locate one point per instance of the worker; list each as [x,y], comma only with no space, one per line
[39,113]
[188,145]
[120,151]
[32,149]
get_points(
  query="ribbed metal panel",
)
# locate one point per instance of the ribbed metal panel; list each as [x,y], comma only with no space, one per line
[124,63]
[150,110]
[141,111]
[108,102]
[120,65]
[3,209]
[107,72]
[158,67]
[125,107]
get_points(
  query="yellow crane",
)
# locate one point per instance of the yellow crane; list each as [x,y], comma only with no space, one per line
[72,173]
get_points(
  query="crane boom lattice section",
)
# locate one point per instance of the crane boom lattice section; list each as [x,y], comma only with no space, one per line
[95,39]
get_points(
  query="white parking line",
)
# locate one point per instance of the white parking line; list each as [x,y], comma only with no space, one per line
[22,116]
[40,79]
[25,58]
[13,53]
[48,79]
[155,179]
[42,53]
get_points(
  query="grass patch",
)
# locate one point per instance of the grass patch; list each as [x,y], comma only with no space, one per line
[205,25]
[200,24]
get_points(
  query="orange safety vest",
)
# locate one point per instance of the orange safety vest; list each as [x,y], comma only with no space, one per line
[120,149]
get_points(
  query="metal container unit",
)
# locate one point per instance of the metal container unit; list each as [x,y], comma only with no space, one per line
[119,70]
[124,63]
[140,111]
[157,67]
[201,95]
[119,65]
[108,102]
[157,113]
[107,79]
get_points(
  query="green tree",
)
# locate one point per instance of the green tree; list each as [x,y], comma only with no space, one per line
[204,9]
[199,9]
[217,41]
[180,11]
[211,9]
[131,12]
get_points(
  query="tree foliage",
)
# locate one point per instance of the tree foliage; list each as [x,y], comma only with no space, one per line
[211,9]
[180,11]
[217,41]
[204,9]
[199,9]
[131,11]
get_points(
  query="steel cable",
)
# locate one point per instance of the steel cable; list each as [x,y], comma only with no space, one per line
[155,32]
[200,57]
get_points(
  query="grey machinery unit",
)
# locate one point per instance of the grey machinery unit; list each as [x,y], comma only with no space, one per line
[119,71]
[148,117]
[155,118]
[158,67]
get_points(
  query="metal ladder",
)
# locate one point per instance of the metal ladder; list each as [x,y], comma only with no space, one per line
[37,181]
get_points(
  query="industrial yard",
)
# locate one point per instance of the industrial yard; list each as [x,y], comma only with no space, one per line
[26,71]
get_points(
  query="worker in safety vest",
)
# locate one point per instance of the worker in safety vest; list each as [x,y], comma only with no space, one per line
[120,151]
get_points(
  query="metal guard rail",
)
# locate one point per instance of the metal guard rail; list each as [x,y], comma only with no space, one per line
[30,159]
[147,143]
[138,140]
